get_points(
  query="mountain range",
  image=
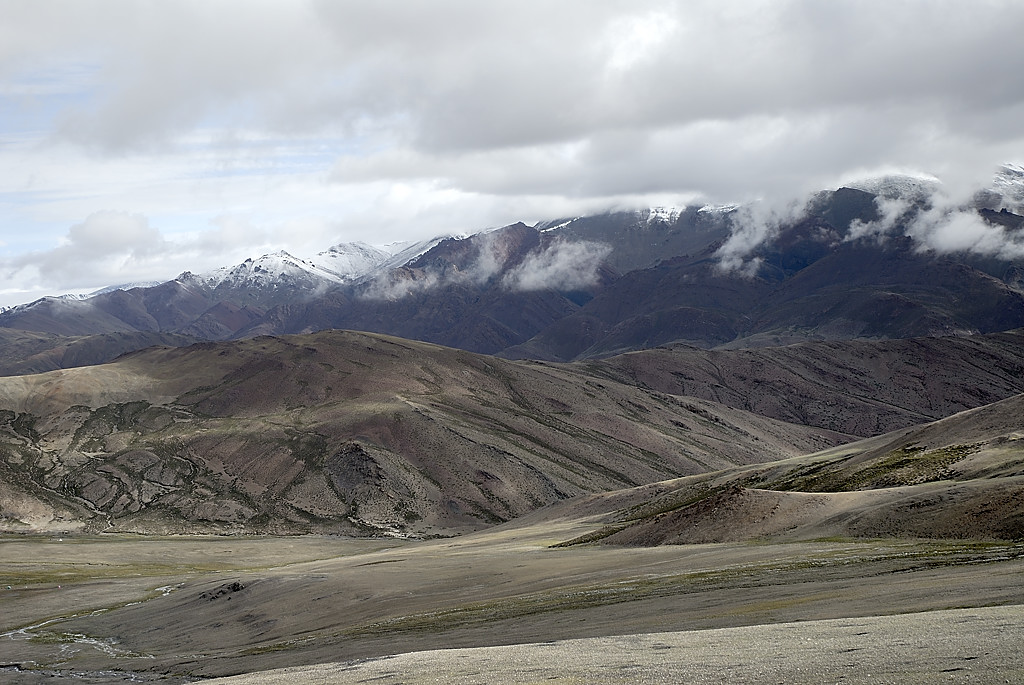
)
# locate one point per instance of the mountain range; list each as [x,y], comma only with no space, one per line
[639,421]
[842,267]
[619,349]
[359,433]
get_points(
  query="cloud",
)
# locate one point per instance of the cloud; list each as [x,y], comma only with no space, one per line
[754,225]
[325,113]
[947,229]
[398,284]
[485,263]
[891,210]
[112,248]
[114,242]
[941,223]
[454,76]
[561,266]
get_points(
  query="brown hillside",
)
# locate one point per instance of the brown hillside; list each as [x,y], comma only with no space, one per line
[348,433]
[961,477]
[859,387]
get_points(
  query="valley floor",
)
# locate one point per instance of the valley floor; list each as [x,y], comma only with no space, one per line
[953,646]
[179,609]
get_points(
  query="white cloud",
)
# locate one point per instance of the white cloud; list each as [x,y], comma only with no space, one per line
[562,266]
[938,222]
[890,211]
[330,121]
[116,242]
[754,225]
[634,39]
[398,284]
[946,229]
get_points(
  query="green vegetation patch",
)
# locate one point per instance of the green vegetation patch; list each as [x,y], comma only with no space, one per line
[907,465]
[644,512]
[593,536]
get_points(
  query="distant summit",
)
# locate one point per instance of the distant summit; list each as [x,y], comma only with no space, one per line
[888,258]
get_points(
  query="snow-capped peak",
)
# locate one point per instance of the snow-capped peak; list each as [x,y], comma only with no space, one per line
[718,209]
[904,186]
[66,302]
[1009,185]
[545,226]
[348,261]
[408,252]
[667,214]
[271,270]
[112,288]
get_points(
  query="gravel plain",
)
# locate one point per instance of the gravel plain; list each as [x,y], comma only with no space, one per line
[981,645]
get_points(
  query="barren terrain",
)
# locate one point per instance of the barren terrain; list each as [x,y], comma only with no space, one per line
[218,609]
[919,520]
[951,646]
[674,525]
[345,433]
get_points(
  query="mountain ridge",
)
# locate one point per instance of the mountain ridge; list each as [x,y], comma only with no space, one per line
[845,266]
[348,433]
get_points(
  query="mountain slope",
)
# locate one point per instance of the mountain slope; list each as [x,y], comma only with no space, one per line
[961,477]
[858,387]
[846,266]
[813,280]
[349,261]
[347,433]
[474,293]
[642,238]
[23,352]
[270,279]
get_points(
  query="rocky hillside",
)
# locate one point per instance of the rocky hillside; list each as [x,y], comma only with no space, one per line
[366,434]
[345,433]
[863,388]
[961,478]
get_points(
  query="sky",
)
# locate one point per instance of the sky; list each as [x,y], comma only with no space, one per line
[143,138]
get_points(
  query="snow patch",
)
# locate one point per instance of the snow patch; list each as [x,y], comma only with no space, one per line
[348,261]
[898,186]
[718,209]
[1008,184]
[60,302]
[545,226]
[668,215]
[269,271]
[410,252]
[112,288]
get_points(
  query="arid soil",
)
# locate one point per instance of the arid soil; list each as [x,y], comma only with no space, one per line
[961,477]
[954,646]
[182,608]
[859,387]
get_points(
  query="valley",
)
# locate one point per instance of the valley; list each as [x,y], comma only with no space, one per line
[588,436]
[588,342]
[150,546]
[222,612]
